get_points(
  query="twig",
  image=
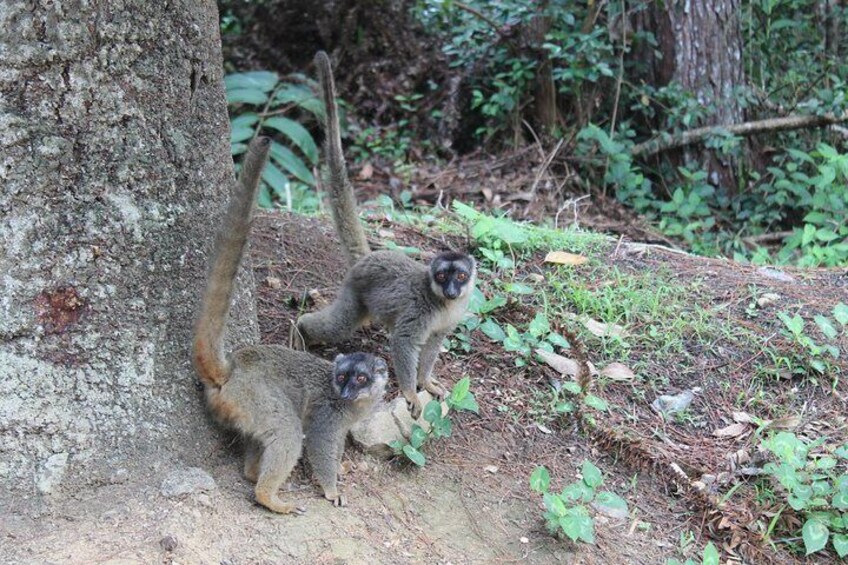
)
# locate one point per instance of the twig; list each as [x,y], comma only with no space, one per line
[479,15]
[767,237]
[660,144]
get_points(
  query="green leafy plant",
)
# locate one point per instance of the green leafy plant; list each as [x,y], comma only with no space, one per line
[260,103]
[815,485]
[569,511]
[439,422]
[538,335]
[710,556]
[809,353]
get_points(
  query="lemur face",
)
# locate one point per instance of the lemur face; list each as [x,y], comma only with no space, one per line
[357,376]
[452,274]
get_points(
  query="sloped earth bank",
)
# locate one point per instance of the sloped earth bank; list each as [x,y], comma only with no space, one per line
[471,502]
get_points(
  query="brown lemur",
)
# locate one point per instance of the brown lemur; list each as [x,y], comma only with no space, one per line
[419,304]
[274,395]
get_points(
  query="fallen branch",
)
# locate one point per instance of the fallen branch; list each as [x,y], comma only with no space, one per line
[664,143]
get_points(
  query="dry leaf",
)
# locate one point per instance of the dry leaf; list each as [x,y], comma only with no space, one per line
[733,430]
[564,365]
[742,418]
[618,372]
[490,469]
[785,423]
[273,282]
[560,364]
[366,172]
[563,258]
[544,429]
[600,329]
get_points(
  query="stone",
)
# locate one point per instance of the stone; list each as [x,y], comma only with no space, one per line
[52,473]
[169,543]
[187,481]
[390,422]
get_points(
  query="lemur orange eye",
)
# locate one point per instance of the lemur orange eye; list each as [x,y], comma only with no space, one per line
[361,379]
[462,277]
[440,277]
[340,378]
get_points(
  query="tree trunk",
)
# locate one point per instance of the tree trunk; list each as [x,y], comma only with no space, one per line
[115,167]
[701,46]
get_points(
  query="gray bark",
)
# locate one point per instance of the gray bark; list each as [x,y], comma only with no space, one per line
[701,46]
[115,167]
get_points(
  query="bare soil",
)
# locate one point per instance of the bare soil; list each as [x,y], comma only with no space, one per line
[471,502]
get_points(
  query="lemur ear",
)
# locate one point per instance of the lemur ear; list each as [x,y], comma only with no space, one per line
[338,358]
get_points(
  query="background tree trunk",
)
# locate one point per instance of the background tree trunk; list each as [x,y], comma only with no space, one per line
[701,46]
[115,167]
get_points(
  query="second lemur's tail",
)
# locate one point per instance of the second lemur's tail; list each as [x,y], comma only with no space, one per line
[342,199]
[209,359]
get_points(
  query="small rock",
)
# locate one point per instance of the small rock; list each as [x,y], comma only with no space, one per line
[523,539]
[187,481]
[775,274]
[669,404]
[168,543]
[390,422]
[119,476]
[273,282]
[767,298]
[52,473]
[490,469]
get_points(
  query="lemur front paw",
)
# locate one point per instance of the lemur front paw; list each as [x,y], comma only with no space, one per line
[336,498]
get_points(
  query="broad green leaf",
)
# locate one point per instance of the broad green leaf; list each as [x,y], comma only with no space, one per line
[826,327]
[297,133]
[596,402]
[577,491]
[554,505]
[572,387]
[711,556]
[237,148]
[240,133]
[840,312]
[460,389]
[540,479]
[591,475]
[263,81]
[840,544]
[442,427]
[566,407]
[414,455]
[275,179]
[265,200]
[557,339]
[396,446]
[795,324]
[611,504]
[490,305]
[301,96]
[469,404]
[578,525]
[492,330]
[840,500]
[433,411]
[519,288]
[292,163]
[246,96]
[815,535]
[417,437]
[539,326]
[247,120]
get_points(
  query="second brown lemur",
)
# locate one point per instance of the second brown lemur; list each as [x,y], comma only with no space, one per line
[419,304]
[277,398]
